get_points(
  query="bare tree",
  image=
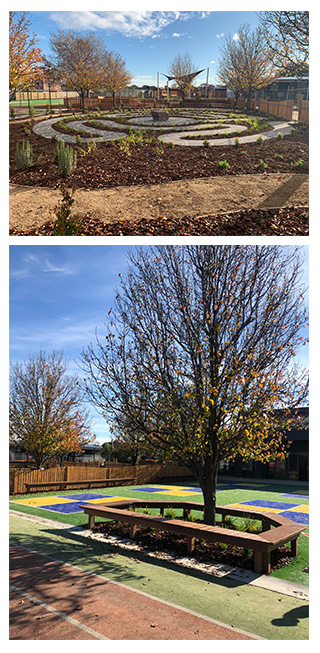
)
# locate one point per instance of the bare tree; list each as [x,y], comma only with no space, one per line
[197,358]
[47,416]
[182,69]
[80,60]
[287,40]
[245,66]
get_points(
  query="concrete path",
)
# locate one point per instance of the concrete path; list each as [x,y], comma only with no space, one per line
[45,129]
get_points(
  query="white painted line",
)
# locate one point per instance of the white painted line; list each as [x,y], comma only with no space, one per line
[62,615]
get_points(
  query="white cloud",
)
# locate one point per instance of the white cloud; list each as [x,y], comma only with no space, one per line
[235,37]
[32,265]
[219,36]
[212,61]
[177,35]
[133,24]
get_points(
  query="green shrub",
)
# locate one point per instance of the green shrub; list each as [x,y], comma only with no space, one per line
[301,163]
[31,111]
[12,112]
[236,142]
[223,164]
[24,155]
[78,139]
[66,224]
[262,164]
[66,158]
[206,144]
[280,136]
[170,513]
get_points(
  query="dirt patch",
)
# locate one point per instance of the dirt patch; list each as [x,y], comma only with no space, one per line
[33,206]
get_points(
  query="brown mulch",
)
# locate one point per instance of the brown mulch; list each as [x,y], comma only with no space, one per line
[108,166]
[204,552]
[287,221]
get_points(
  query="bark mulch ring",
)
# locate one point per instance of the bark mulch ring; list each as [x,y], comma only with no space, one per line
[287,221]
[204,552]
[106,165]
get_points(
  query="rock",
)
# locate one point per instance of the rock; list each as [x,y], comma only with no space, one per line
[160,115]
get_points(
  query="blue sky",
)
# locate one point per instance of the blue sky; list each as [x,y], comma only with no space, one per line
[59,295]
[149,40]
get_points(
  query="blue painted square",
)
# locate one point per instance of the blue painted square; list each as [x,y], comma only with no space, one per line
[270,504]
[150,489]
[85,497]
[296,496]
[299,517]
[65,508]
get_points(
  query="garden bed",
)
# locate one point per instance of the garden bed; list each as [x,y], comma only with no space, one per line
[287,221]
[204,552]
[107,165]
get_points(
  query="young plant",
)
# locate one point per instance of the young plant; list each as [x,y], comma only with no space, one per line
[66,158]
[66,224]
[206,144]
[301,163]
[260,139]
[223,164]
[24,155]
[262,164]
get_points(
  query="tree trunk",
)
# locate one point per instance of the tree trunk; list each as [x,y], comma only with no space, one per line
[208,483]
[114,99]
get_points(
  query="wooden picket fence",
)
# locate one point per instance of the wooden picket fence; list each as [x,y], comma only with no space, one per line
[283,109]
[147,473]
[303,114]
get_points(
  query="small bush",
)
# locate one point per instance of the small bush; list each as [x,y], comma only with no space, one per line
[223,164]
[170,513]
[301,163]
[24,155]
[66,158]
[12,112]
[206,144]
[280,136]
[236,142]
[66,224]
[260,139]
[31,111]
[262,164]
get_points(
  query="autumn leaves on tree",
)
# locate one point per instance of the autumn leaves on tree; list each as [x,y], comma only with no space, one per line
[46,411]
[198,355]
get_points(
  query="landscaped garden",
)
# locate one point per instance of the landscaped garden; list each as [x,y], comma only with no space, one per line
[127,149]
[280,499]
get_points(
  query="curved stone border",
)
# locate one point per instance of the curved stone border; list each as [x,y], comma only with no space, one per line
[177,139]
[44,128]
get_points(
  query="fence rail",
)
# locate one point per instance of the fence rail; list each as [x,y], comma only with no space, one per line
[146,473]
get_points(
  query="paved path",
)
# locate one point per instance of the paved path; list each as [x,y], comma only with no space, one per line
[45,129]
[54,600]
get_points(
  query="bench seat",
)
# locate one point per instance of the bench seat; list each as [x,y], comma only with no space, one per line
[262,544]
[101,482]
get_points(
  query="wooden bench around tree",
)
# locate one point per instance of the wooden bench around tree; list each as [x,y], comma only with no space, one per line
[283,530]
[92,482]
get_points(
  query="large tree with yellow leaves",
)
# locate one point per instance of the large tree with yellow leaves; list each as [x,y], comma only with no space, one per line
[198,354]
[25,58]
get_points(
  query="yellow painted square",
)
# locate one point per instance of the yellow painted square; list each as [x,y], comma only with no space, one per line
[299,509]
[179,493]
[105,500]
[43,501]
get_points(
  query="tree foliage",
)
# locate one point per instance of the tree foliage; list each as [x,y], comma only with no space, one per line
[198,355]
[244,65]
[25,57]
[46,412]
[287,40]
[80,59]
[117,77]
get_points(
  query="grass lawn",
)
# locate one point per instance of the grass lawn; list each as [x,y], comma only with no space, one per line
[226,496]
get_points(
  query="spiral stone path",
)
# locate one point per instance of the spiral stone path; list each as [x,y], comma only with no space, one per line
[193,127]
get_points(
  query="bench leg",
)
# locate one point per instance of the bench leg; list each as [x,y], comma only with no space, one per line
[91,521]
[133,529]
[191,544]
[294,547]
[262,563]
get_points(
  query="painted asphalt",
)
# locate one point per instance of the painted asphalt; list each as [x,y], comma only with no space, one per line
[64,602]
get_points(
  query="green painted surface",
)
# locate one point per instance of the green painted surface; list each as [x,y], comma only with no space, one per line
[264,613]
[294,571]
